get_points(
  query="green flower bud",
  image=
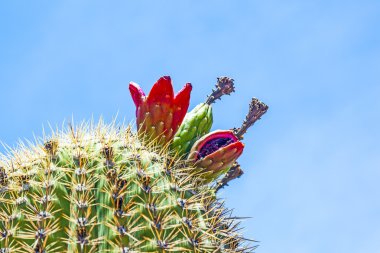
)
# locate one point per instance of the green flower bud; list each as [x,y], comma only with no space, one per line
[197,123]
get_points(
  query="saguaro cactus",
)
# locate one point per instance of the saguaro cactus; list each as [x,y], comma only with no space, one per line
[106,188]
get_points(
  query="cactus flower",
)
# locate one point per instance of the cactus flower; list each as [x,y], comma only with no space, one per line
[160,114]
[216,152]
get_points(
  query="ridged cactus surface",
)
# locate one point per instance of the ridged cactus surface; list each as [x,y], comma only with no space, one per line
[107,188]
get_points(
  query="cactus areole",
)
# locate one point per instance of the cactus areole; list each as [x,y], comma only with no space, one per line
[106,188]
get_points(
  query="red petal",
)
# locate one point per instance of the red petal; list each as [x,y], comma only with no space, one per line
[181,104]
[223,158]
[162,91]
[137,93]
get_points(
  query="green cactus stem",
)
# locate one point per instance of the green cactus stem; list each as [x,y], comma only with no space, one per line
[100,189]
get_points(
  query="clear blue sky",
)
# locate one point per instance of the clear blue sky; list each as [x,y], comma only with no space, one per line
[312,164]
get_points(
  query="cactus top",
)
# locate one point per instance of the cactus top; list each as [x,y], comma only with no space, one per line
[104,188]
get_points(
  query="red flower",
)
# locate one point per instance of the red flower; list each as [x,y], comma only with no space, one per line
[216,152]
[160,114]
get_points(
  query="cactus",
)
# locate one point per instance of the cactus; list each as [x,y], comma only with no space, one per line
[106,188]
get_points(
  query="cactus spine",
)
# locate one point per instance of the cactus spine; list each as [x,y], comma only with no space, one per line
[106,188]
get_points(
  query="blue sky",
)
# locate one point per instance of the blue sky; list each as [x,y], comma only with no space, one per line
[312,163]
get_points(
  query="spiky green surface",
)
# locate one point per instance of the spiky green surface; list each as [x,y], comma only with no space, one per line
[99,189]
[197,123]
